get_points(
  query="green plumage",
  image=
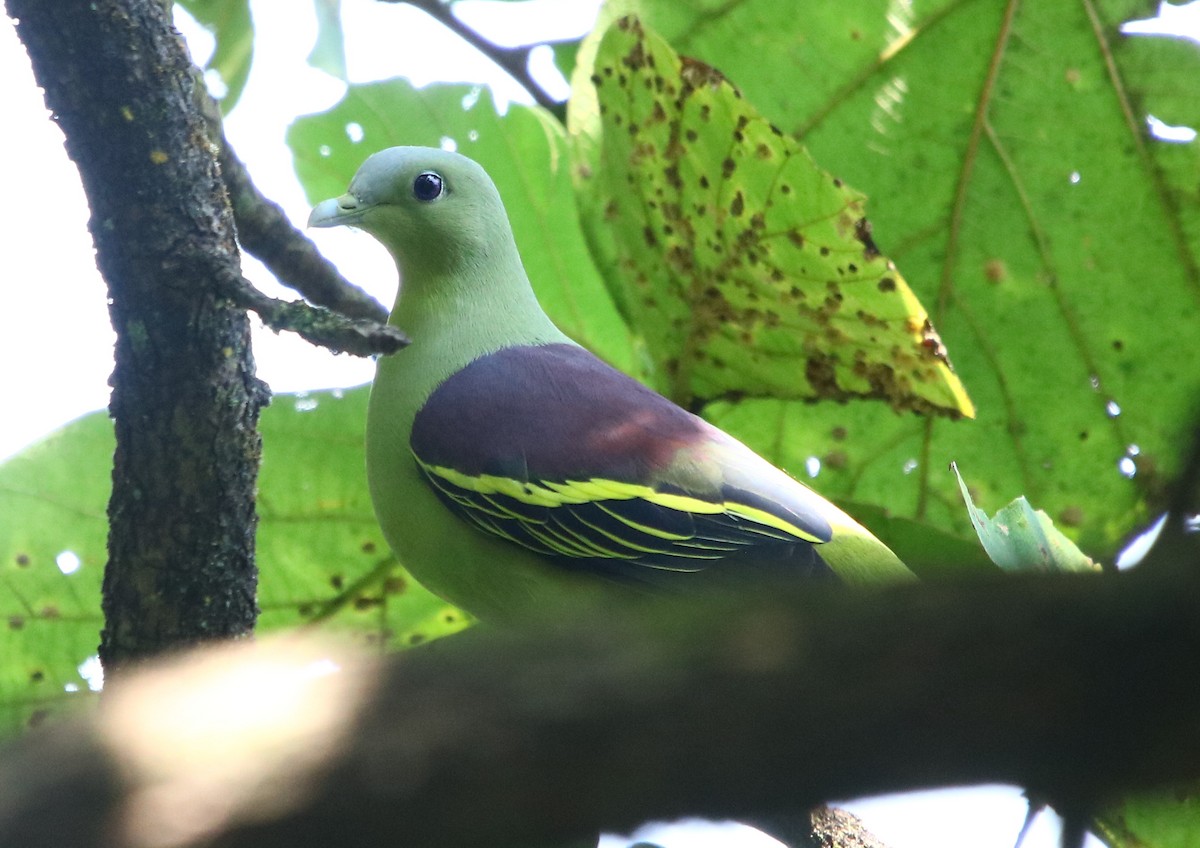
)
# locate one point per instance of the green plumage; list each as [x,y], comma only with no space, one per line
[508,467]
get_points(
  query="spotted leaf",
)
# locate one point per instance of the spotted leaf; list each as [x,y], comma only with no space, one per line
[747,269]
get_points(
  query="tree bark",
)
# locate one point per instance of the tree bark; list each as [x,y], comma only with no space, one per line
[185,400]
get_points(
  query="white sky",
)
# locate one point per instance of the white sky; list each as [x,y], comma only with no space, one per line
[56,343]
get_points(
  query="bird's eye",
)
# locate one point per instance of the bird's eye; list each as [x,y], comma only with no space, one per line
[428,186]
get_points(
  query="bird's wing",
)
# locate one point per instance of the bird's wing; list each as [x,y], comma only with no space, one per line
[550,448]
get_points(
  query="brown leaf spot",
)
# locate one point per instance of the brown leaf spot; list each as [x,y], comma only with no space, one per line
[738,205]
[16,622]
[871,320]
[995,271]
[862,232]
[821,373]
[838,434]
[835,460]
[728,167]
[395,585]
[697,74]
[680,258]
[636,58]
[22,560]
[931,342]
[887,284]
[1071,516]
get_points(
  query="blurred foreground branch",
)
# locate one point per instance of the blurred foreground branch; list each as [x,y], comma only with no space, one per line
[1080,688]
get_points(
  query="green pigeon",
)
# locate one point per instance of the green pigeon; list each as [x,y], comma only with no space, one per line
[510,468]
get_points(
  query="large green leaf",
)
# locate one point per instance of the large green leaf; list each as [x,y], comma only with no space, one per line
[525,153]
[1053,240]
[748,269]
[321,556]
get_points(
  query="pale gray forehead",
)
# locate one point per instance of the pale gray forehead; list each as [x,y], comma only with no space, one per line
[393,170]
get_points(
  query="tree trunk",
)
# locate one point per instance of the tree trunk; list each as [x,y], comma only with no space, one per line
[185,400]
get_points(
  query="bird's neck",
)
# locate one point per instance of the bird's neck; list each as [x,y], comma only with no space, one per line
[456,314]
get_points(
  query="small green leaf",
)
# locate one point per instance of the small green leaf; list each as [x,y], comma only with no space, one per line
[566,53]
[329,51]
[747,269]
[1021,538]
[231,24]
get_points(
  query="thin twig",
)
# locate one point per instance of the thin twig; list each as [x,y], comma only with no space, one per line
[265,232]
[332,330]
[514,61]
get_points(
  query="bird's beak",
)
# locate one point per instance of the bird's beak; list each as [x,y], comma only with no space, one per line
[337,212]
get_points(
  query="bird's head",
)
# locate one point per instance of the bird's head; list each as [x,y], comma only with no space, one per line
[428,207]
